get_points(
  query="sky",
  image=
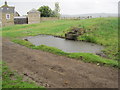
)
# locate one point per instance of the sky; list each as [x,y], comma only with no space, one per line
[67,7]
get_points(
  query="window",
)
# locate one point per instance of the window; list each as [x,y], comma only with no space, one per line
[7,16]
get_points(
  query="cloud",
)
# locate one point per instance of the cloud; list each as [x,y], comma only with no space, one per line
[68,6]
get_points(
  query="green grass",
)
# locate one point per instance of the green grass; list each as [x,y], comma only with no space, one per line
[49,27]
[103,31]
[86,57]
[11,79]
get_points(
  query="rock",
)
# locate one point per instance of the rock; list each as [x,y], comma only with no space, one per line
[74,33]
[25,74]
[46,85]
[66,82]
[102,55]
[98,64]
[71,36]
[26,39]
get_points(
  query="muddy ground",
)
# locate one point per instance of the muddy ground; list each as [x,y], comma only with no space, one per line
[51,70]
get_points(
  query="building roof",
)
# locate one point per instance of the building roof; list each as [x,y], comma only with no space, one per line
[5,5]
[33,11]
[21,17]
[6,9]
[16,13]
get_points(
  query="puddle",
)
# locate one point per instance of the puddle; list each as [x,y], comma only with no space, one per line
[65,45]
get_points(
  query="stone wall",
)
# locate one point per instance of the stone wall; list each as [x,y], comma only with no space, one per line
[76,18]
[33,18]
[20,20]
[48,18]
[70,18]
[7,22]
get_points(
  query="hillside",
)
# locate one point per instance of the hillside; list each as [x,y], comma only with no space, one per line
[103,31]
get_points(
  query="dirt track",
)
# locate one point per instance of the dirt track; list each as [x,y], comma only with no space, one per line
[57,71]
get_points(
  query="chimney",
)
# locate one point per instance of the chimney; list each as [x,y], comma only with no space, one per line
[5,2]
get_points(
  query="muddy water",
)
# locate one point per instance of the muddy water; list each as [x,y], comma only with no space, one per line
[65,45]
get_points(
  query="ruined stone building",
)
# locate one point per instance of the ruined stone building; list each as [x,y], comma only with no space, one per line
[8,16]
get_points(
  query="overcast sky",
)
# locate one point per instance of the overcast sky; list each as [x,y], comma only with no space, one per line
[69,7]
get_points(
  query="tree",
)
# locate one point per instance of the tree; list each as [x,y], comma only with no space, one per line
[57,10]
[45,11]
[53,14]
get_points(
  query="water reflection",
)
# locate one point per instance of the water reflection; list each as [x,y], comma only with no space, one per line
[65,45]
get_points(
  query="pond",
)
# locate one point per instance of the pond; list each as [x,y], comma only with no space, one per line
[69,46]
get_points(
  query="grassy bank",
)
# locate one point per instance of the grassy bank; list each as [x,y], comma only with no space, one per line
[86,57]
[57,28]
[103,31]
[11,79]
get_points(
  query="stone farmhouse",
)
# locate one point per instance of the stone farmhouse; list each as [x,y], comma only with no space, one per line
[8,16]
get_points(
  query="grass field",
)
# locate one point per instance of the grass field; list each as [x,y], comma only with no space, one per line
[103,31]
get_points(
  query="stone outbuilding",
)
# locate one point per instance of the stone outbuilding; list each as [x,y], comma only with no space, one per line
[7,15]
[33,16]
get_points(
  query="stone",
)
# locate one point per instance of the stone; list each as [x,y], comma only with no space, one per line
[74,33]
[26,39]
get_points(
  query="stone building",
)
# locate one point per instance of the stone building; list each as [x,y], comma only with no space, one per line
[7,15]
[16,14]
[33,16]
